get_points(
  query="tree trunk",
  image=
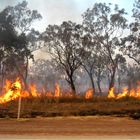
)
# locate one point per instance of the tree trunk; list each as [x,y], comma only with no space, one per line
[26,69]
[111,85]
[2,78]
[119,83]
[99,87]
[99,81]
[23,76]
[129,85]
[91,78]
[92,82]
[26,75]
[72,85]
[71,82]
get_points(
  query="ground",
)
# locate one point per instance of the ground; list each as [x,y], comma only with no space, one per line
[79,128]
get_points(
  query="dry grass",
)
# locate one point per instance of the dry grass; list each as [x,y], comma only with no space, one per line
[78,106]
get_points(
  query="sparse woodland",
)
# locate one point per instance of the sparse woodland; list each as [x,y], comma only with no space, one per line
[100,53]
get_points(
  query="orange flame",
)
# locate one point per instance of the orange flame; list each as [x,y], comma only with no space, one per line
[33,90]
[13,92]
[57,93]
[89,94]
[123,94]
[111,93]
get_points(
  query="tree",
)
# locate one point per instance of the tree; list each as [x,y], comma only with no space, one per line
[121,74]
[131,43]
[92,61]
[8,36]
[21,20]
[106,27]
[63,44]
[132,76]
[44,72]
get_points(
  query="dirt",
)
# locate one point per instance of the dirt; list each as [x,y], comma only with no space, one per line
[96,126]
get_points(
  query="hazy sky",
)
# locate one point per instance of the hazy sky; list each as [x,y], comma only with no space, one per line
[56,11]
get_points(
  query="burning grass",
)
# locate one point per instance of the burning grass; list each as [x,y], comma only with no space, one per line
[57,104]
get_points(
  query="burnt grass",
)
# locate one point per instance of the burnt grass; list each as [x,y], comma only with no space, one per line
[77,106]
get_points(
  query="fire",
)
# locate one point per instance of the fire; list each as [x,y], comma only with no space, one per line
[138,92]
[132,93]
[15,90]
[57,93]
[123,94]
[49,94]
[33,90]
[11,93]
[7,85]
[89,94]
[111,93]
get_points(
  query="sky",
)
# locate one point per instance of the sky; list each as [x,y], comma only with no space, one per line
[57,11]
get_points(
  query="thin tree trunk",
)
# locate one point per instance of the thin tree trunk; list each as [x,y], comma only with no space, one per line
[99,81]
[2,78]
[26,70]
[99,87]
[119,84]
[91,78]
[72,85]
[129,85]
[111,85]
[92,82]
[23,77]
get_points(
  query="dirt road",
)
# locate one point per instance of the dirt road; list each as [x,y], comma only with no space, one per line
[17,137]
[79,128]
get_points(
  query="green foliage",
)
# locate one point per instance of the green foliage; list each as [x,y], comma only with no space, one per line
[16,38]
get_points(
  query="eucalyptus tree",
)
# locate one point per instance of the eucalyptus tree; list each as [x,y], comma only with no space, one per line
[121,74]
[45,72]
[64,45]
[93,61]
[21,20]
[131,42]
[106,23]
[132,76]
[8,36]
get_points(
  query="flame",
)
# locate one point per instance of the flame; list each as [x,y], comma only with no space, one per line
[111,93]
[132,93]
[49,94]
[89,94]
[13,92]
[57,92]
[123,94]
[138,92]
[33,90]
[7,85]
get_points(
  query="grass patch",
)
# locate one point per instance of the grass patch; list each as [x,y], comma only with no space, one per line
[77,106]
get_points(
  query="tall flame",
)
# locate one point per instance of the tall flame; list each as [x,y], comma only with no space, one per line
[57,93]
[89,94]
[111,93]
[33,90]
